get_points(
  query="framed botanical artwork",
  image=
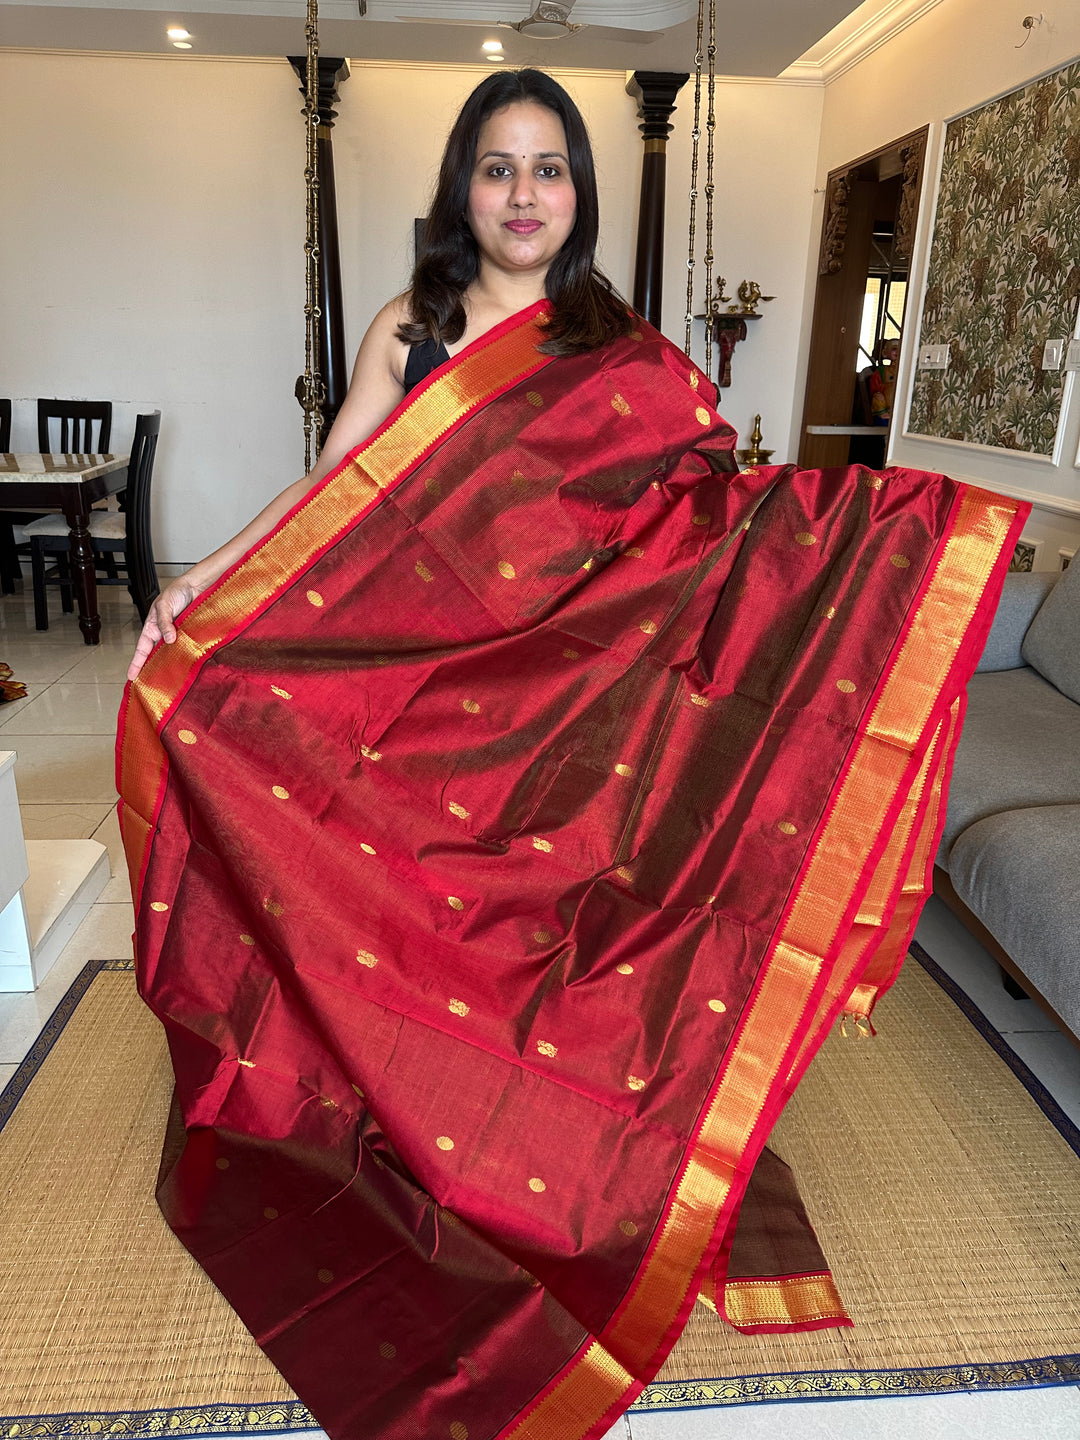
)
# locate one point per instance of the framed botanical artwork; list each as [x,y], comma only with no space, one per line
[1004,270]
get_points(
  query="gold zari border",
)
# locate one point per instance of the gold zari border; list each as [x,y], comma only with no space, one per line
[797,1300]
[780,1300]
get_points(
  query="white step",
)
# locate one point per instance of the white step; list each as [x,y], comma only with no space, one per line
[66,877]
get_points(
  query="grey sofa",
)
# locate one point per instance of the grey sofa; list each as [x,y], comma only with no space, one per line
[1009,860]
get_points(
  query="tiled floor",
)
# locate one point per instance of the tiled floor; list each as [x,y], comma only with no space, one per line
[63,733]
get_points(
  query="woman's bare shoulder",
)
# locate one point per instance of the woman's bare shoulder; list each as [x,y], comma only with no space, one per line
[382,345]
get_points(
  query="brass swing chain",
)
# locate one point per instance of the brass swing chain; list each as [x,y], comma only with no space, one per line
[313,385]
[710,127]
[695,136]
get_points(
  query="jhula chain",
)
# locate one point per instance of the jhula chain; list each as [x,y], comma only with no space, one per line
[312,312]
[710,126]
[696,136]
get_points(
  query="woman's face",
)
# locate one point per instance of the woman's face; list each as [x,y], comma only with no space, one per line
[521,200]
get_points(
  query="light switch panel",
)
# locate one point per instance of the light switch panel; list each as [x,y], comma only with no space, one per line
[934,357]
[1053,350]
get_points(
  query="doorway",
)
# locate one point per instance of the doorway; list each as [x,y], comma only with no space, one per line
[867,236]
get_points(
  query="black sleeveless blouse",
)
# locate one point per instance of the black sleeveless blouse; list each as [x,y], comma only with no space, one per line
[423,358]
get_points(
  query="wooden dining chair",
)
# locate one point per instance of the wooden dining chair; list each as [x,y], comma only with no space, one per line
[113,533]
[71,423]
[9,555]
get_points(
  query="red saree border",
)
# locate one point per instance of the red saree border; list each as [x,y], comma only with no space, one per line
[784,1005]
[496,362]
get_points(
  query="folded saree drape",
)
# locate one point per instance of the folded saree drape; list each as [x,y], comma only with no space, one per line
[508,828]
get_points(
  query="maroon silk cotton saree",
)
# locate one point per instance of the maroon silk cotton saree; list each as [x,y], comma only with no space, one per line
[508,828]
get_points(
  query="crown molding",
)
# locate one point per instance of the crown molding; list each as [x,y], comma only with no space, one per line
[473,67]
[177,57]
[854,44]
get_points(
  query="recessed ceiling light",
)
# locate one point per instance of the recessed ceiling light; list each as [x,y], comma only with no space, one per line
[181,44]
[178,33]
[496,59]
[492,45]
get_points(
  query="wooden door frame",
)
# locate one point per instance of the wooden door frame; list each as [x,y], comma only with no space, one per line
[843,257]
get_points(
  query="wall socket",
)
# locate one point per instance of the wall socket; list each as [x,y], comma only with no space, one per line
[1072,355]
[1053,350]
[934,357]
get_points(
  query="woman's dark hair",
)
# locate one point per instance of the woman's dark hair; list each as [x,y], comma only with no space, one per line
[586,310]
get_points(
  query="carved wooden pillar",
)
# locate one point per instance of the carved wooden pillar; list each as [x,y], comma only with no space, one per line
[332,319]
[655,92]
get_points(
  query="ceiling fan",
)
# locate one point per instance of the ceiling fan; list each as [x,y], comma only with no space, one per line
[548,20]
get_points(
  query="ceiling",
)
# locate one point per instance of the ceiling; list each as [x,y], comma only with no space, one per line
[755,37]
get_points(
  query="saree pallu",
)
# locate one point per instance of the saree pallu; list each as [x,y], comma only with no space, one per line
[508,828]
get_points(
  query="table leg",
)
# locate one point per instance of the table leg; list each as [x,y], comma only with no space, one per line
[83,578]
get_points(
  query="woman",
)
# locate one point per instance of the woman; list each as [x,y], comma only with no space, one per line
[510,816]
[516,201]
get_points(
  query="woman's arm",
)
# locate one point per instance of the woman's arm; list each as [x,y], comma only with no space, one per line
[374,391]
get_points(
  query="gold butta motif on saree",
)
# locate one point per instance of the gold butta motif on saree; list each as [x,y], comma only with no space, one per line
[188,737]
[283,694]
[314,598]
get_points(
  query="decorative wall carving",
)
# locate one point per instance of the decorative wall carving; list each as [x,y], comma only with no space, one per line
[1004,272]
[836,221]
[908,210]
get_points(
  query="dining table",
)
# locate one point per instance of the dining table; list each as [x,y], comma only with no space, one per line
[71,484]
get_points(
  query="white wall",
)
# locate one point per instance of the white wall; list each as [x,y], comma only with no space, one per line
[151,245]
[957,56]
[148,253]
[766,144]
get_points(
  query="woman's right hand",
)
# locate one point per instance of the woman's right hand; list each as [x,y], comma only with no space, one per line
[174,599]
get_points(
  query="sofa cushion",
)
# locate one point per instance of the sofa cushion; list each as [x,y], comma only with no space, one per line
[1052,643]
[1020,746]
[1021,596]
[1017,871]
